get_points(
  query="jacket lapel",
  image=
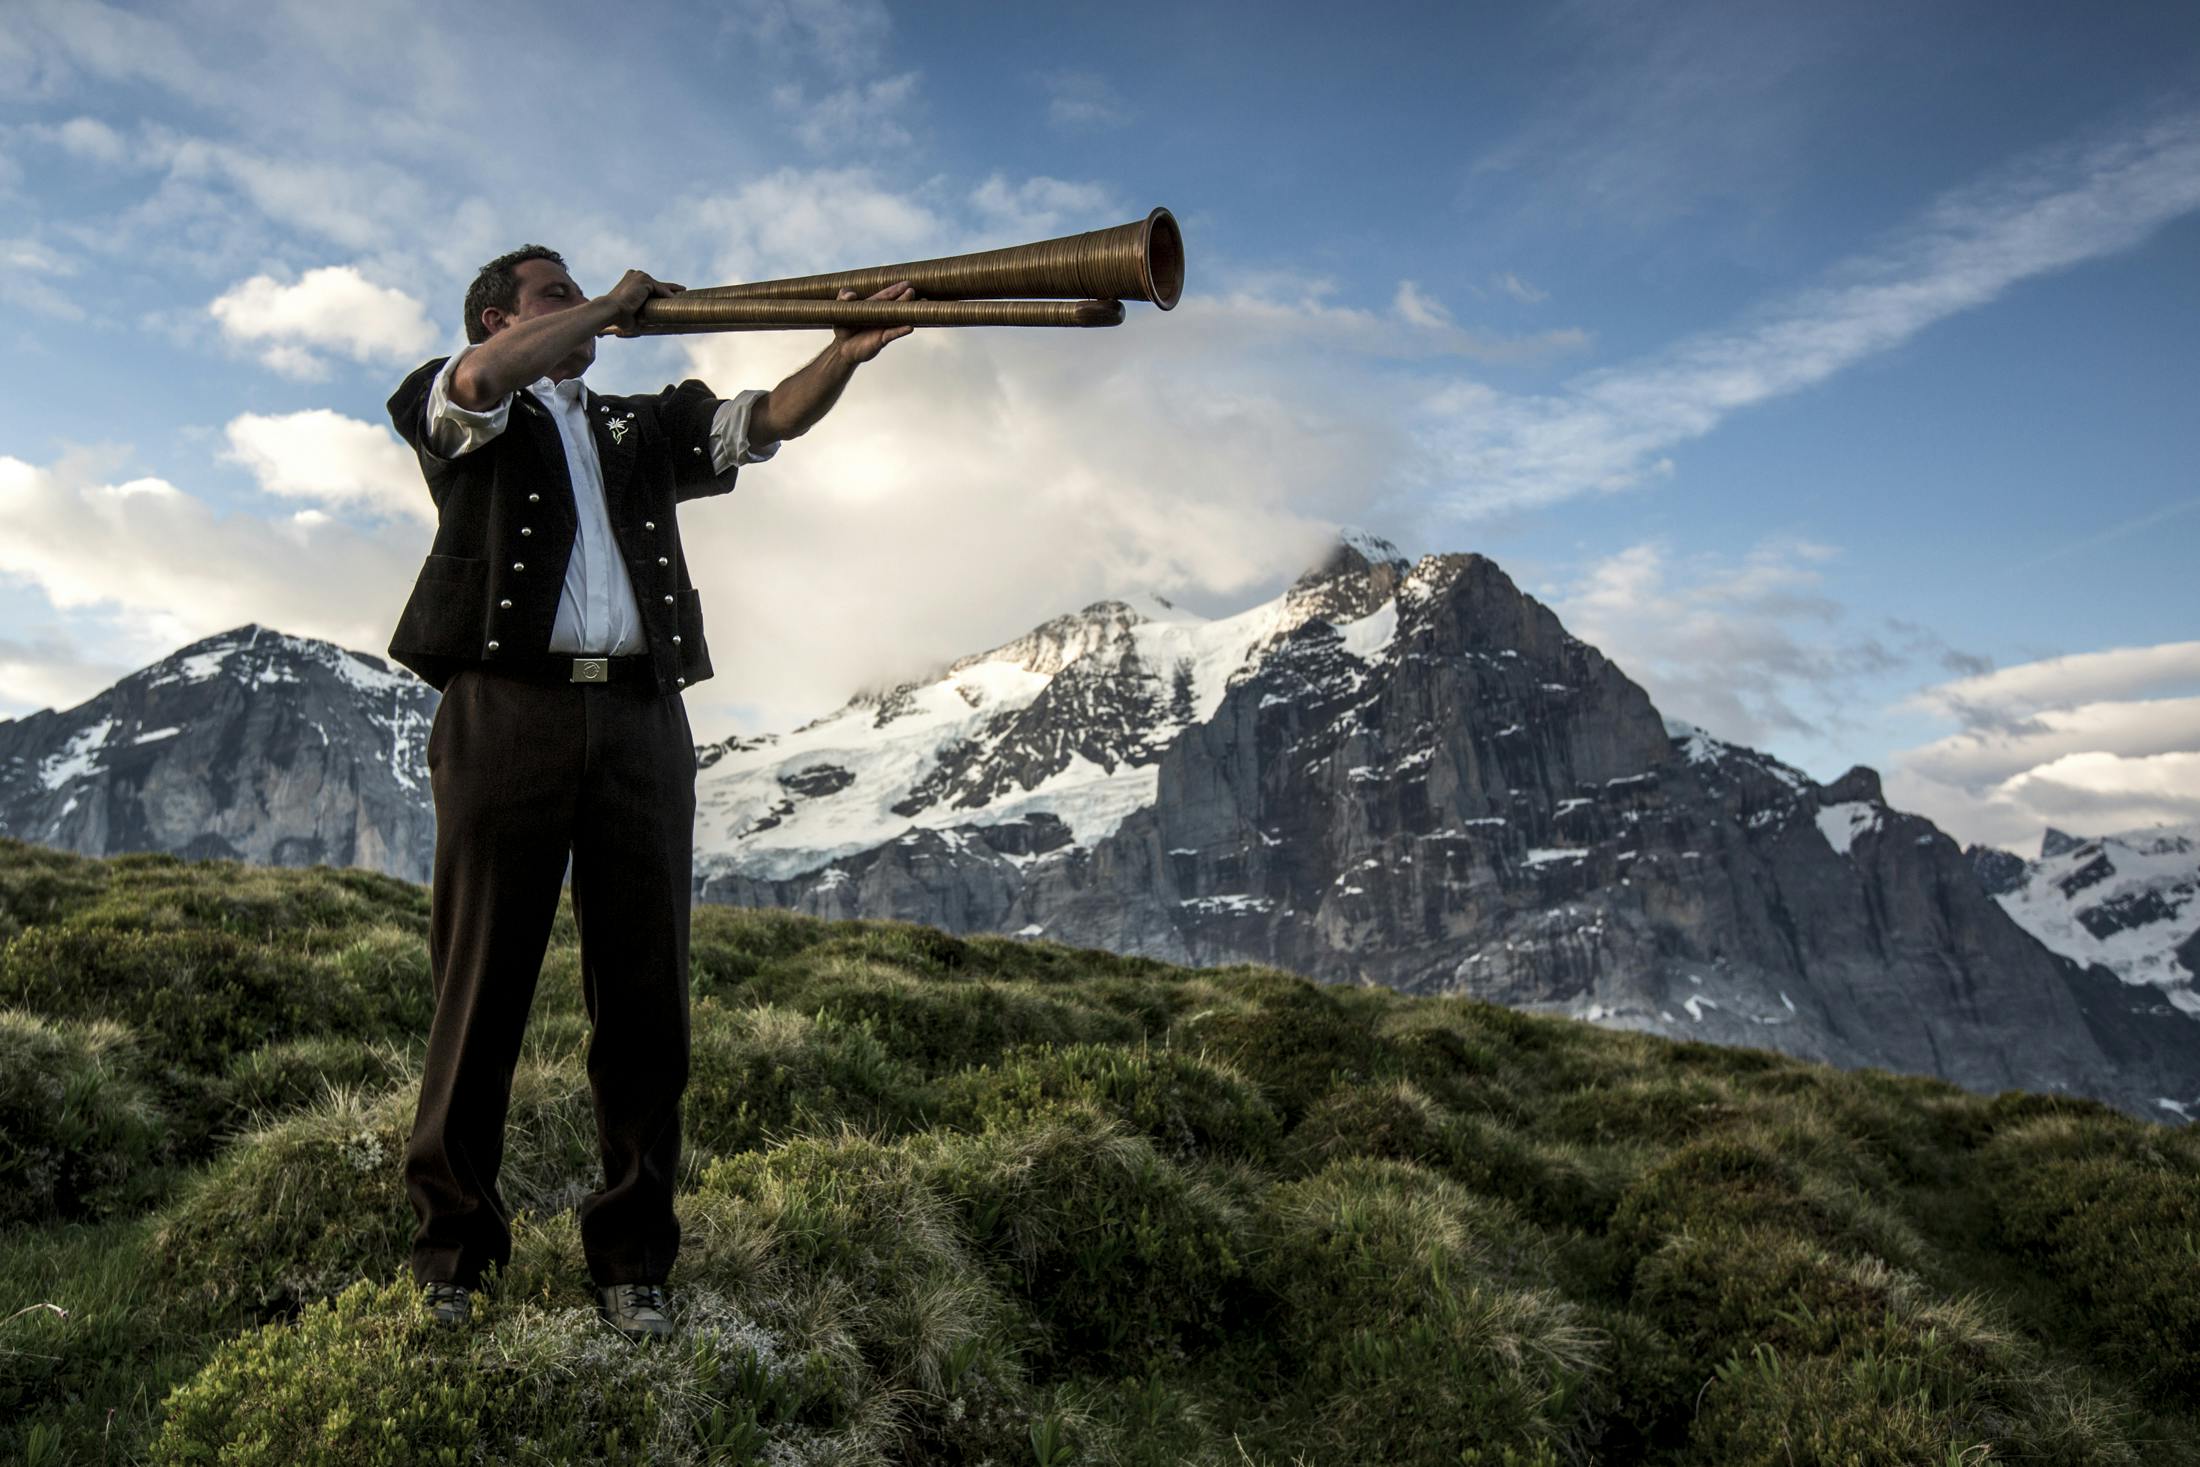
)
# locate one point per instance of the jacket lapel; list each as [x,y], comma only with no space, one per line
[616,432]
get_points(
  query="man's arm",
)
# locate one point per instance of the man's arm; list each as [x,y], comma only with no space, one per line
[794,406]
[519,352]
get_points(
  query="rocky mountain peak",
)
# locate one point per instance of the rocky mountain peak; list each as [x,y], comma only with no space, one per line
[1859,784]
[248,744]
[2058,843]
[1053,645]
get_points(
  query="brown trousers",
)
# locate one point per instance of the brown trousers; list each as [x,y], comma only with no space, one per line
[524,773]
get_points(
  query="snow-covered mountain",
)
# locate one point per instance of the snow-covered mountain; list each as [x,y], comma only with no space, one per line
[1065,723]
[250,745]
[1394,773]
[2125,902]
[1413,775]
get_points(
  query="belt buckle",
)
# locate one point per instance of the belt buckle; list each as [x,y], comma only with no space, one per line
[591,669]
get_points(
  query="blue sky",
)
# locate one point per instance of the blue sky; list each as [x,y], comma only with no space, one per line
[1829,366]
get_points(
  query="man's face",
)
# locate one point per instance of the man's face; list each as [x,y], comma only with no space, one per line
[545,288]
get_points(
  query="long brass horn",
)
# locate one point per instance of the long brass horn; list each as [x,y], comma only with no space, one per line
[1078,280]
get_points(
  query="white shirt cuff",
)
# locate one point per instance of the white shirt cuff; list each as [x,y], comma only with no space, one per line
[729,434]
[454,430]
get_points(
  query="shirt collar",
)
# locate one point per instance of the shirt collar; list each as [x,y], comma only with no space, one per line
[571,391]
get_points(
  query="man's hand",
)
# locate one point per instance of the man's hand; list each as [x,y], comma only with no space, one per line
[858,344]
[628,296]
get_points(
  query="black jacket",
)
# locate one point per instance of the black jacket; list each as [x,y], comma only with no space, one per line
[506,524]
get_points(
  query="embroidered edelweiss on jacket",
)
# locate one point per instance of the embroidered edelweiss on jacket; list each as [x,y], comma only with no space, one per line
[618,426]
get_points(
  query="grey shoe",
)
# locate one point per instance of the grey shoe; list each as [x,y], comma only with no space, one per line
[636,1310]
[449,1305]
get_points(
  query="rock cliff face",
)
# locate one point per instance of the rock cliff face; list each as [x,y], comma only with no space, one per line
[251,745]
[1442,791]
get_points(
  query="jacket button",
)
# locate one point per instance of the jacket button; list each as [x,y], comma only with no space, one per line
[696,451]
[683,682]
[493,646]
[534,499]
[675,639]
[519,565]
[649,524]
[504,606]
[668,601]
[662,561]
[524,530]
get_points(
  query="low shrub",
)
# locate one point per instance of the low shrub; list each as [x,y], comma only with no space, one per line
[365,1378]
[1123,1258]
[81,1133]
[1754,1178]
[195,997]
[1189,1106]
[859,1262]
[2109,1210]
[1292,1038]
[1417,1321]
[1852,1361]
[1555,1184]
[299,1072]
[302,1207]
[942,1026]
[764,1074]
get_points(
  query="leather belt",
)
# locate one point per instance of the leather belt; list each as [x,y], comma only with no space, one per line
[557,668]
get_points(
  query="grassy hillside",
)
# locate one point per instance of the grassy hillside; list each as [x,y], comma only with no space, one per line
[963,1201]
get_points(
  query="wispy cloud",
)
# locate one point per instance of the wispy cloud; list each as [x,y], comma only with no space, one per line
[2097,742]
[1607,429]
[1084,100]
[1754,649]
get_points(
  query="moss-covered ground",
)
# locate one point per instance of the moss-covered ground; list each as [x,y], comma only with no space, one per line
[980,1200]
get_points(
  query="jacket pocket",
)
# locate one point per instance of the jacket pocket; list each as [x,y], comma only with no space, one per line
[444,615]
[694,651]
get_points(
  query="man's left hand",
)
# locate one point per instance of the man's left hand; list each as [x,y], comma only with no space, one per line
[858,344]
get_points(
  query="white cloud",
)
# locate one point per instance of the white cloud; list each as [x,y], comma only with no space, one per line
[1041,208]
[972,484]
[330,459]
[1607,428]
[154,567]
[805,222]
[2098,742]
[2015,693]
[90,139]
[333,309]
[1420,310]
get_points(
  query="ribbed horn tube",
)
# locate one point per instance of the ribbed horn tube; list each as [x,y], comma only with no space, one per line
[674,315]
[1142,260]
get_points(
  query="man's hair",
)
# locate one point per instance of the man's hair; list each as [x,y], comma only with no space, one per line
[498,285]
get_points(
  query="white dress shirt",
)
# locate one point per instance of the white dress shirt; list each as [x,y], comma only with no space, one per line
[597,614]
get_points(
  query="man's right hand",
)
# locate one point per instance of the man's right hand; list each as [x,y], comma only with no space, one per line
[634,289]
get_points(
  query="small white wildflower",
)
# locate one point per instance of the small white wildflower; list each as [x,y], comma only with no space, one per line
[362,1152]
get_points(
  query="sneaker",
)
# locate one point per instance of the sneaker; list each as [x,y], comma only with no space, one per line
[449,1305]
[635,1310]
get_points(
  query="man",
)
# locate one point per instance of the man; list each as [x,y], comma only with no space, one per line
[555,615]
